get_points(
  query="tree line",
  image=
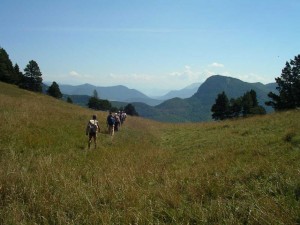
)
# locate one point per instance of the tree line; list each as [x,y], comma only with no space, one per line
[288,97]
[102,104]
[242,106]
[32,80]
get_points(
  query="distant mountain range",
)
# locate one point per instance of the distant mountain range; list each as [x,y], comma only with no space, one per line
[182,93]
[123,94]
[190,104]
[113,93]
[197,108]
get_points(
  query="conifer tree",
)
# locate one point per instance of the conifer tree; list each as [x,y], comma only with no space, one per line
[130,110]
[32,78]
[54,90]
[18,74]
[98,104]
[7,72]
[288,87]
[95,94]
[235,107]
[94,101]
[221,108]
[250,104]
[69,100]
[254,98]
[104,104]
[246,105]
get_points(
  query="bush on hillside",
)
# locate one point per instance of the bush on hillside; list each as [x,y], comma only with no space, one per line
[54,90]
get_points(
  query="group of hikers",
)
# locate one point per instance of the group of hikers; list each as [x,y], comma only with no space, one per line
[113,121]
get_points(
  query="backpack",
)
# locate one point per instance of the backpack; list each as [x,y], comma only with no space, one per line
[111,120]
[93,127]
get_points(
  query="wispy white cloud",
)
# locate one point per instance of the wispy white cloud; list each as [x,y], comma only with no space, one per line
[187,74]
[74,74]
[217,65]
[253,78]
[206,73]
[169,81]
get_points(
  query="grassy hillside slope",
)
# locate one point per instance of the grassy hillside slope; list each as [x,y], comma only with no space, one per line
[233,172]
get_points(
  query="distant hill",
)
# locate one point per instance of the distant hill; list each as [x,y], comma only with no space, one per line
[192,109]
[197,107]
[80,94]
[233,88]
[182,93]
[124,94]
[272,87]
[113,93]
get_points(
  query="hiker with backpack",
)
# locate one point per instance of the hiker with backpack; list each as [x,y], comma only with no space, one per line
[123,117]
[91,130]
[117,122]
[110,123]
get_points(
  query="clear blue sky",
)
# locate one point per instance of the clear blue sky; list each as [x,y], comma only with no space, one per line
[151,45]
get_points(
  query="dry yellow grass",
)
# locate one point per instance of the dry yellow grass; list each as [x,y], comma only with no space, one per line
[234,172]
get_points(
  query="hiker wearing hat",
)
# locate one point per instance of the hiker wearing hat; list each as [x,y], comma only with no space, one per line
[91,130]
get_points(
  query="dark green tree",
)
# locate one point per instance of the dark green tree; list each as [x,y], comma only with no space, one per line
[258,110]
[114,109]
[130,110]
[32,78]
[235,107]
[288,87]
[69,100]
[18,74]
[54,90]
[250,104]
[95,94]
[247,103]
[98,104]
[93,103]
[104,105]
[221,109]
[7,72]
[254,98]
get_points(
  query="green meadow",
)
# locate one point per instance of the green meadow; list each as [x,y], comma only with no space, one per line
[244,171]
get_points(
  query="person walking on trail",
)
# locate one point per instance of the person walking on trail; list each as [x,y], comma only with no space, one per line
[91,130]
[110,123]
[123,117]
[117,122]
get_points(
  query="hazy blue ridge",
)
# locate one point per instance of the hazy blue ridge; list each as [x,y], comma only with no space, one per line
[193,109]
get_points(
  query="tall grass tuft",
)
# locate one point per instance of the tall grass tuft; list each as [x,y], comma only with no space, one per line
[288,136]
